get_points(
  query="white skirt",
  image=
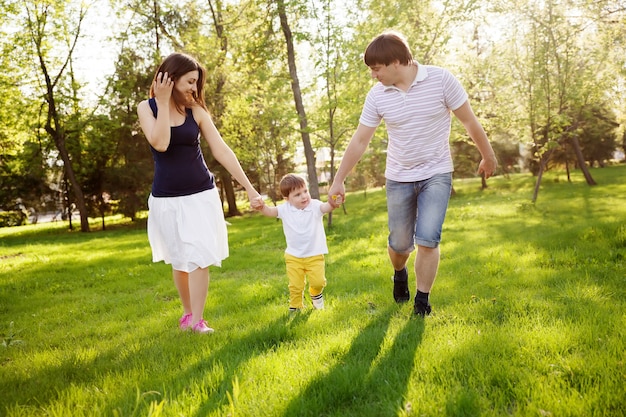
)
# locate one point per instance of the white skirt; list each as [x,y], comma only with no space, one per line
[188,232]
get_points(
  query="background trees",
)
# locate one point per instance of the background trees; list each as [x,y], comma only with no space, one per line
[546,78]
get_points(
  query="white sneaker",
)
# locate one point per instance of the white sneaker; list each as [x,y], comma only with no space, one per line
[318,301]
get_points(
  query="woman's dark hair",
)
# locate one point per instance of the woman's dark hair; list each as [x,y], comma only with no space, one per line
[176,65]
[386,49]
[289,183]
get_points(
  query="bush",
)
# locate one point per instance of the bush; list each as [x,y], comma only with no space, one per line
[12,218]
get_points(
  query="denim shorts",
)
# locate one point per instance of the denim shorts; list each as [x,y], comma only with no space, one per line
[416,211]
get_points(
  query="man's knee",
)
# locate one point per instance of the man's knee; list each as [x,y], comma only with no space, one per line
[427,246]
[403,252]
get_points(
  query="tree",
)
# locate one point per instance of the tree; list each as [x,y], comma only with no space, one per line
[598,139]
[259,120]
[217,95]
[297,96]
[22,168]
[479,73]
[334,116]
[553,77]
[551,80]
[56,23]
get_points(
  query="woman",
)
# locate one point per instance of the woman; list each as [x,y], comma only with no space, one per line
[186,226]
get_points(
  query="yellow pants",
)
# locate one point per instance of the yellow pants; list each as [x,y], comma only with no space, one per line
[298,270]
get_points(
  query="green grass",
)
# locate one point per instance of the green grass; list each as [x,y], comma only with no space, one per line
[529,316]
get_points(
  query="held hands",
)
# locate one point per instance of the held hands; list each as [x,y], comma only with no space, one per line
[257,203]
[163,86]
[336,200]
[336,195]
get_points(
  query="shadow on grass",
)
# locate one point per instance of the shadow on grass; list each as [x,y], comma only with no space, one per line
[575,258]
[255,343]
[155,387]
[82,366]
[366,381]
[131,354]
[567,242]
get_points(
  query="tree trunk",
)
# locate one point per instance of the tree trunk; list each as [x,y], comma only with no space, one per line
[219,105]
[54,126]
[229,193]
[538,181]
[59,140]
[542,167]
[297,95]
[58,136]
[581,160]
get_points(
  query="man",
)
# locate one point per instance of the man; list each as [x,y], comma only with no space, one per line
[415,101]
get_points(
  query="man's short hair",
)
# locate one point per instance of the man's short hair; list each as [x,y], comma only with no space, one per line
[388,48]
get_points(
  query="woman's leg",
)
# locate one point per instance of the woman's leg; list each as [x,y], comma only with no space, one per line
[181,280]
[198,290]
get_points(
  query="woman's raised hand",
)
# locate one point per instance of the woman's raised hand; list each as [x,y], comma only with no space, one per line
[163,86]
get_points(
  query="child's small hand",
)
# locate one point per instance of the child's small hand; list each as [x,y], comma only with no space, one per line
[257,203]
[337,200]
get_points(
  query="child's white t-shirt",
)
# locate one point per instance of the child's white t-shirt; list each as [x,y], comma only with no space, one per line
[304,229]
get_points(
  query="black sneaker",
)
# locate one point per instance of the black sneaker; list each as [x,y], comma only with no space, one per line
[401,286]
[421,308]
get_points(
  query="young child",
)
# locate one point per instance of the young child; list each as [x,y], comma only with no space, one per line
[302,216]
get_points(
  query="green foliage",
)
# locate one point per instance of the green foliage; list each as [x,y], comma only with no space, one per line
[10,338]
[555,81]
[527,321]
[598,139]
[534,71]
[21,173]
[23,179]
[13,218]
[14,112]
[127,170]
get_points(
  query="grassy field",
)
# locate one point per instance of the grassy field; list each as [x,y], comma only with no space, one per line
[528,316]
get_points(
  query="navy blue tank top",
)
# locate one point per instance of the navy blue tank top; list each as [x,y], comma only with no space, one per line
[181,169]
